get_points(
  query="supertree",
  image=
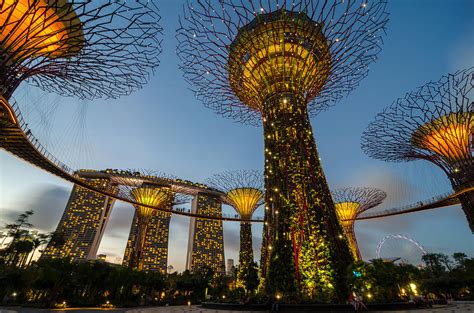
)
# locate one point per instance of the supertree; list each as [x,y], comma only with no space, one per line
[350,203]
[244,192]
[157,195]
[434,123]
[278,62]
[83,48]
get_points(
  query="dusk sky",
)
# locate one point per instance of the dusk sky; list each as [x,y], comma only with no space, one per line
[163,127]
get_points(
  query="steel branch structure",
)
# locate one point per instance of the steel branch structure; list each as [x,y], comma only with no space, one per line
[276,63]
[350,203]
[244,192]
[88,49]
[434,123]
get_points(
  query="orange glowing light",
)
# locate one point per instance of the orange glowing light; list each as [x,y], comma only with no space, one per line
[245,200]
[447,136]
[154,197]
[284,52]
[347,212]
[43,28]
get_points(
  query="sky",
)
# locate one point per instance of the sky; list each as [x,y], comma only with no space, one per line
[163,127]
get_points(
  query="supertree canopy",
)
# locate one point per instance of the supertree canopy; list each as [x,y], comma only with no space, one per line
[278,62]
[434,123]
[83,48]
[350,203]
[244,191]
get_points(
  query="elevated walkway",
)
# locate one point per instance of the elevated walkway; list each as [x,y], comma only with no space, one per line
[17,138]
[440,201]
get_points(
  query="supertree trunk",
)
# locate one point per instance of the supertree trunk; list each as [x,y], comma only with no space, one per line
[352,242]
[137,255]
[467,204]
[246,251]
[460,180]
[303,233]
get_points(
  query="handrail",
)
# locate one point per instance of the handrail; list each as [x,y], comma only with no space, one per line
[70,175]
[32,140]
[431,203]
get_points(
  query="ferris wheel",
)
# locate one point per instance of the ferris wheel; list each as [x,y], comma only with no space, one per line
[400,247]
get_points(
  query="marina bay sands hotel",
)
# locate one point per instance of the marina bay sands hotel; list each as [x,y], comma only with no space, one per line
[85,218]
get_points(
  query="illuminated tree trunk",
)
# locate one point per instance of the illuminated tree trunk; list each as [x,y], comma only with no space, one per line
[246,251]
[467,204]
[304,249]
[460,180]
[352,242]
[137,256]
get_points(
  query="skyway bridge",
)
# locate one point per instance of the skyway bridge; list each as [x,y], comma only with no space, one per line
[17,138]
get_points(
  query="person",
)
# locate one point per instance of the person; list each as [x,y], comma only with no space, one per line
[275,305]
[351,301]
[360,304]
[357,303]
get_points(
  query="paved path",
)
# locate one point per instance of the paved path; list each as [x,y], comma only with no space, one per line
[184,309]
[454,308]
[159,309]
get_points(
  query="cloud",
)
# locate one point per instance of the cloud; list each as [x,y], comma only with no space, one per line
[48,203]
[120,221]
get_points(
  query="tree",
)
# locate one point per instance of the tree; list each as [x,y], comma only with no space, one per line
[20,250]
[459,258]
[17,251]
[20,227]
[434,263]
[38,241]
[3,236]
[251,279]
[383,281]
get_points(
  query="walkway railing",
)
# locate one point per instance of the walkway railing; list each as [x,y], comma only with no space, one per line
[34,141]
[445,199]
[69,174]
[225,216]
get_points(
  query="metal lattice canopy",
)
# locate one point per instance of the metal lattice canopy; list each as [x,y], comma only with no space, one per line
[350,202]
[435,122]
[243,188]
[83,48]
[156,192]
[158,197]
[235,54]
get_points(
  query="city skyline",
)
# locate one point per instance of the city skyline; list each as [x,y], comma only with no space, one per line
[195,150]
